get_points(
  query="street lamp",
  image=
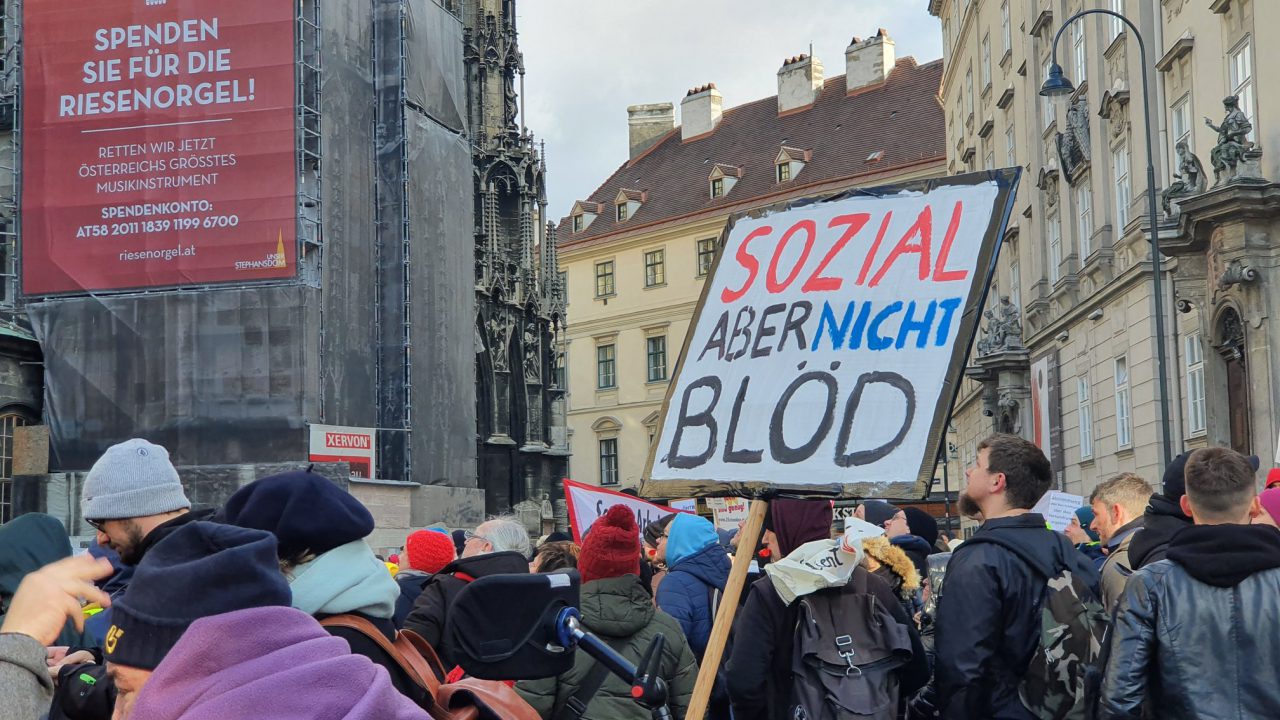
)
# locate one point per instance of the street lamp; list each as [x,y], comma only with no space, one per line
[1057,85]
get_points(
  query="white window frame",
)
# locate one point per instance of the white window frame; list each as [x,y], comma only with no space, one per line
[1180,127]
[1194,361]
[1124,404]
[986,62]
[1006,28]
[1079,53]
[968,85]
[1084,219]
[1240,62]
[1117,25]
[1015,283]
[1047,109]
[1011,145]
[1120,163]
[1053,231]
[1084,412]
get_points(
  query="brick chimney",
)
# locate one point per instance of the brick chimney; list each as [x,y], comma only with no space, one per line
[647,123]
[799,82]
[869,61]
[700,111]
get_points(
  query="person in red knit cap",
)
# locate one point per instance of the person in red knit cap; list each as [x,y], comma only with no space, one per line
[616,607]
[426,552]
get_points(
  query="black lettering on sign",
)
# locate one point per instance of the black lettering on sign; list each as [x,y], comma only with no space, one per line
[844,458]
[730,453]
[700,419]
[778,447]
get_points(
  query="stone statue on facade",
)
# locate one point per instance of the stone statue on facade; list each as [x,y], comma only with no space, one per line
[1073,145]
[499,327]
[1189,180]
[1233,140]
[1003,330]
[532,354]
[1008,417]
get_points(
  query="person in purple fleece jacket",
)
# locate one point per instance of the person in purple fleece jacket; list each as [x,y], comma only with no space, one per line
[205,631]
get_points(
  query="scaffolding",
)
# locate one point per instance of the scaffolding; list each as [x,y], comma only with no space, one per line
[307,49]
[10,154]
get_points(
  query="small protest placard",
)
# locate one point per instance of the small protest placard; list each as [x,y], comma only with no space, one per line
[729,513]
[588,503]
[829,342]
[1058,508]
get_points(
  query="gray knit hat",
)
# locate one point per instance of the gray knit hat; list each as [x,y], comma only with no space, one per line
[132,479]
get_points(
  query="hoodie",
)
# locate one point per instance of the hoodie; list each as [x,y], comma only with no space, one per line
[225,668]
[1224,555]
[28,543]
[697,567]
[1162,520]
[918,551]
[348,578]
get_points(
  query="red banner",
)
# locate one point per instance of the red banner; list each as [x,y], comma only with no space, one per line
[157,144]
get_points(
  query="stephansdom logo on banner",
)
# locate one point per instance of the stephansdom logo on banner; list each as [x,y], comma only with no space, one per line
[158,143]
[830,339]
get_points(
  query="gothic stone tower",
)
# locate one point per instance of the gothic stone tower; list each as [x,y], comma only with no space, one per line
[522,444]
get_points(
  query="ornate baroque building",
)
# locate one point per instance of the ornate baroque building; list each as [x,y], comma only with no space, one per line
[520,302]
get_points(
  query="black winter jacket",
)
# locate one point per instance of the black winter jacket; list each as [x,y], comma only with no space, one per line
[1192,636]
[411,583]
[988,622]
[1162,520]
[758,672]
[431,609]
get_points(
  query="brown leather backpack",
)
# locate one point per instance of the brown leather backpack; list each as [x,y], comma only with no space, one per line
[467,699]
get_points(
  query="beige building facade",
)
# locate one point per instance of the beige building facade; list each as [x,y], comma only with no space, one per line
[635,254]
[1078,371]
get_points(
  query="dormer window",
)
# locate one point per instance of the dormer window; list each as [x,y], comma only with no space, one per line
[583,213]
[789,162]
[722,179]
[627,203]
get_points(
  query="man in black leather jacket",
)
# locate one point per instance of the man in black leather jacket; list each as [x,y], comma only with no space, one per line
[989,618]
[1192,636]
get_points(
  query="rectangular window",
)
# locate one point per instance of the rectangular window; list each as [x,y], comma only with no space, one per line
[968,91]
[1078,51]
[609,461]
[717,188]
[1117,25]
[655,268]
[1123,423]
[1180,124]
[1006,31]
[784,172]
[1053,228]
[1015,284]
[622,211]
[656,350]
[1120,170]
[1084,219]
[1046,103]
[577,223]
[706,255]
[1195,384]
[989,161]
[604,278]
[1010,147]
[1084,407]
[606,367]
[986,61]
[559,376]
[1240,68]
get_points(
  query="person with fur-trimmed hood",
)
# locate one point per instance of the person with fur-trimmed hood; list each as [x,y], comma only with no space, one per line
[890,563]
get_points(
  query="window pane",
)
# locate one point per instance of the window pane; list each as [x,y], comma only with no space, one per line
[606,367]
[1084,225]
[609,461]
[1120,166]
[1085,406]
[986,61]
[655,272]
[657,357]
[604,278]
[1054,231]
[706,255]
[1005,27]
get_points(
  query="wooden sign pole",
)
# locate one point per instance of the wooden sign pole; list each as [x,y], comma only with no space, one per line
[748,539]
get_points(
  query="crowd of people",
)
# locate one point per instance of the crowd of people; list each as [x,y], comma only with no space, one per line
[1152,604]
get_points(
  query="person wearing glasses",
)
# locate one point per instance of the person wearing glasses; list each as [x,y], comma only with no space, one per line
[499,546]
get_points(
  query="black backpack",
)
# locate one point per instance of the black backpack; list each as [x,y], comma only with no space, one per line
[847,648]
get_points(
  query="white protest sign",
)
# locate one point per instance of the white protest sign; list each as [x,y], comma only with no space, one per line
[829,342]
[729,513]
[1058,508]
[687,505]
[588,503]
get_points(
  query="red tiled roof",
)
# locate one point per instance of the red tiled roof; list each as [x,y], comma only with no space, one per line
[901,117]
[727,170]
[635,195]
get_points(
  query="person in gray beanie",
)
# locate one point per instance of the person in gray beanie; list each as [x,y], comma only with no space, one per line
[132,497]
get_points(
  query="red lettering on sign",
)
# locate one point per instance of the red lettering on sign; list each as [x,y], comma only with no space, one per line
[771,280]
[923,227]
[748,261]
[875,248]
[817,282]
[940,273]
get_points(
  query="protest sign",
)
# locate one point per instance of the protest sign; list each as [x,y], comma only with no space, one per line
[1058,508]
[687,504]
[158,144]
[729,513]
[830,341]
[588,503]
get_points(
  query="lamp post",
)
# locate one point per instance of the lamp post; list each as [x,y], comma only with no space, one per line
[1056,85]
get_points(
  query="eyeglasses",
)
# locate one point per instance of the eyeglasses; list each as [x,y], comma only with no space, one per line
[473,535]
[96,524]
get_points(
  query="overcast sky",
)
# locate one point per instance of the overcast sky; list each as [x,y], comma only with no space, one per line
[587,60]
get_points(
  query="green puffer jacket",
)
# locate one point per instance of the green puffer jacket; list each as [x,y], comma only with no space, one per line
[621,613]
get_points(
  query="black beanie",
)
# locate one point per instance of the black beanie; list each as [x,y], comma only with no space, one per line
[1175,481]
[306,512]
[200,570]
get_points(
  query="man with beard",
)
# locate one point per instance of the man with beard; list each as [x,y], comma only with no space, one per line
[989,619]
